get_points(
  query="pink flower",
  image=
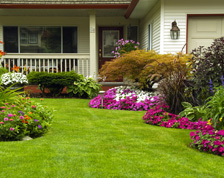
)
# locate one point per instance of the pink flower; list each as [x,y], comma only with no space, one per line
[13,106]
[11,119]
[10,115]
[11,129]
[33,106]
[6,119]
[3,107]
[1,122]
[21,117]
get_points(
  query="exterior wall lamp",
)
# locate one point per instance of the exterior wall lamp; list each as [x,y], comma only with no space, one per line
[174,31]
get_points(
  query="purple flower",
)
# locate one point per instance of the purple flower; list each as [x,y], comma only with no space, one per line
[210,86]
[39,126]
[21,112]
[222,80]
[35,120]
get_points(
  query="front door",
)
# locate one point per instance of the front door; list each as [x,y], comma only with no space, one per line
[108,36]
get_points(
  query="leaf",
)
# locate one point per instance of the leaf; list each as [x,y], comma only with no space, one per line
[186,105]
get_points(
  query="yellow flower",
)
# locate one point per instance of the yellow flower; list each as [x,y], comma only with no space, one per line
[209,122]
[220,119]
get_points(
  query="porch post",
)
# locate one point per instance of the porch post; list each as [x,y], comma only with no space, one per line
[92,45]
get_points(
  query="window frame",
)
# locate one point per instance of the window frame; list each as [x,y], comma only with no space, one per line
[19,37]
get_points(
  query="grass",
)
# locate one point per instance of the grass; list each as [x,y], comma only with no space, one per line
[87,142]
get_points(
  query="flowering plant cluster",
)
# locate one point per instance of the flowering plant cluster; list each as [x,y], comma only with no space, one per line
[126,98]
[12,78]
[124,46]
[23,118]
[204,139]
[208,140]
[158,116]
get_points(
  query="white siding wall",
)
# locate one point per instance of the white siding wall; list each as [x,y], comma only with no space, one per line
[178,10]
[153,18]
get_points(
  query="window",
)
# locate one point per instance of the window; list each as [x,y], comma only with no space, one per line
[133,33]
[11,39]
[40,39]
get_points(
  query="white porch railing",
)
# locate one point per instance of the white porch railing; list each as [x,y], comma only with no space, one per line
[49,62]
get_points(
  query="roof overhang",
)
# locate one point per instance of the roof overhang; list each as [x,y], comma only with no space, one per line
[140,8]
[64,6]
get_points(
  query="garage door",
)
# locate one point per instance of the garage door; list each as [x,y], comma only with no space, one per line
[203,30]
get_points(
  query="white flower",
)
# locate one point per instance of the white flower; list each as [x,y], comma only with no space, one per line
[11,78]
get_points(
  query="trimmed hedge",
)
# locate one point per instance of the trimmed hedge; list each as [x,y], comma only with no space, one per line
[54,82]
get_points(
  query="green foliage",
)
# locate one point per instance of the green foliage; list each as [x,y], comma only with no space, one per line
[193,113]
[208,63]
[3,70]
[212,110]
[215,107]
[145,67]
[23,118]
[54,82]
[84,87]
[9,95]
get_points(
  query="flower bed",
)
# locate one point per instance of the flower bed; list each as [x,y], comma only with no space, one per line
[204,139]
[23,118]
[126,98]
[208,141]
[158,116]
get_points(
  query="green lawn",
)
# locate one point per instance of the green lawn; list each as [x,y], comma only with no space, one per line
[86,142]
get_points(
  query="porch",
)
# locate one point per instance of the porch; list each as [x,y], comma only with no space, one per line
[79,62]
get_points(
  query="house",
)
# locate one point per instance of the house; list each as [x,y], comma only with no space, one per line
[64,35]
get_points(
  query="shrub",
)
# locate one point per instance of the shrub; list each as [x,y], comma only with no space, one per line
[84,87]
[208,63]
[55,82]
[146,67]
[23,118]
[174,84]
